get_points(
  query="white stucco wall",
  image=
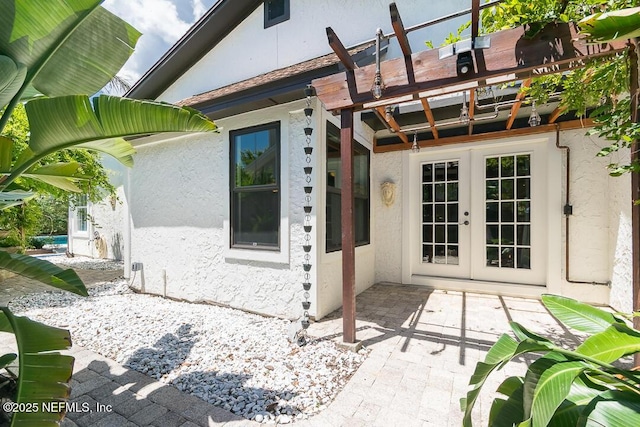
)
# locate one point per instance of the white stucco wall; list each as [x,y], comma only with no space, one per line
[179,199]
[251,50]
[600,231]
[387,167]
[106,218]
[329,275]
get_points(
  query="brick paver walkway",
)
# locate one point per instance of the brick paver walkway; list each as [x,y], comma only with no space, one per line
[424,345]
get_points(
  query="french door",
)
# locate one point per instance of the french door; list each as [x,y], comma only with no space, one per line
[480,214]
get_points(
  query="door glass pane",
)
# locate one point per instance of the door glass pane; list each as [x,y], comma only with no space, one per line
[508,211]
[440,209]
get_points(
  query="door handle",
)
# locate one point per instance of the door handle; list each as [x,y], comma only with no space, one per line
[464,223]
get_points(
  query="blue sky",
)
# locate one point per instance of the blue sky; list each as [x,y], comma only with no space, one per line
[162,23]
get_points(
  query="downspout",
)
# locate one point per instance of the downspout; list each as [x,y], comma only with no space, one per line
[568,211]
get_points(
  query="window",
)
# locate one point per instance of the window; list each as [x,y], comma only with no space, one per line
[81,213]
[334,186]
[275,12]
[255,187]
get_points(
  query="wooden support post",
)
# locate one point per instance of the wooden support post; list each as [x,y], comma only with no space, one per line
[634,86]
[348,235]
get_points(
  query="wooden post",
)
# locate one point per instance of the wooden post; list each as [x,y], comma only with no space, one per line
[635,189]
[348,235]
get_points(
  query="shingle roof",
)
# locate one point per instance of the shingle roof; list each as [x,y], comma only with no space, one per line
[272,76]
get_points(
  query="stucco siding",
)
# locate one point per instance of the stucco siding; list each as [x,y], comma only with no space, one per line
[180,212]
[387,167]
[251,50]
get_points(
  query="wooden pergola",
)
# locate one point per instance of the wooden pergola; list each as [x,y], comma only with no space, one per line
[421,76]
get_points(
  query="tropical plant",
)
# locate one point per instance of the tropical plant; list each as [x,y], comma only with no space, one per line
[602,84]
[52,53]
[584,386]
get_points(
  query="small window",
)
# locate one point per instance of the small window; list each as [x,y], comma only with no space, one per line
[81,213]
[275,12]
[255,187]
[334,192]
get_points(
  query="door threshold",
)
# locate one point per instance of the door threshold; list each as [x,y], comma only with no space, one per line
[480,286]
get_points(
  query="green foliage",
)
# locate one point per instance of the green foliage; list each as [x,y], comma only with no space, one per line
[51,51]
[567,387]
[602,83]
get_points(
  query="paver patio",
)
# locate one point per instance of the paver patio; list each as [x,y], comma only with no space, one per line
[424,346]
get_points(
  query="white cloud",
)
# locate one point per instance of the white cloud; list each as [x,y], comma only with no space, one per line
[161,24]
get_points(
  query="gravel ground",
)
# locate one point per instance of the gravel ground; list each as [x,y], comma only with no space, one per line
[85,263]
[241,362]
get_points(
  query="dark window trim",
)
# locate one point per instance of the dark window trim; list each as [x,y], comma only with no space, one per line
[271,22]
[358,148]
[274,187]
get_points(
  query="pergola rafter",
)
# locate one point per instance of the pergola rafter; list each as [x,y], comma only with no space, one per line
[421,75]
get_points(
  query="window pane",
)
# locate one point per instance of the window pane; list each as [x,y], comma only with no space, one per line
[492,234]
[524,235]
[523,212]
[255,158]
[360,189]
[440,255]
[256,218]
[452,192]
[440,192]
[452,233]
[524,258]
[427,173]
[440,213]
[439,169]
[491,167]
[506,257]
[523,165]
[452,171]
[492,212]
[492,190]
[427,213]
[427,192]
[452,212]
[427,253]
[506,214]
[524,191]
[506,166]
[452,255]
[506,187]
[492,257]
[506,237]
[427,233]
[440,233]
[275,9]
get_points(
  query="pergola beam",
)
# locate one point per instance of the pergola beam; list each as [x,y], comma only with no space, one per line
[430,118]
[393,124]
[516,106]
[555,114]
[398,29]
[510,57]
[340,50]
[475,18]
[472,109]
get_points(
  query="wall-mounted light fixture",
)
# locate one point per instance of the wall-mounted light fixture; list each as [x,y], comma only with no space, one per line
[463,48]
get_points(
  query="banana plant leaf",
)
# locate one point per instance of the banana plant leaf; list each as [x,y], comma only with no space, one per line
[6,146]
[43,271]
[43,374]
[579,316]
[617,341]
[612,408]
[61,175]
[73,122]
[12,77]
[57,41]
[609,26]
[14,198]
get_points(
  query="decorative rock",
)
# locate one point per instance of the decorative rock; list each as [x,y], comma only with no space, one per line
[235,360]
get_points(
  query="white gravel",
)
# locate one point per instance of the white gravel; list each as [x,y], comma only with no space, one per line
[85,263]
[241,362]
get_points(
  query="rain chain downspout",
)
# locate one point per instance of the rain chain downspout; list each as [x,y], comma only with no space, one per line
[306,265]
[568,211]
